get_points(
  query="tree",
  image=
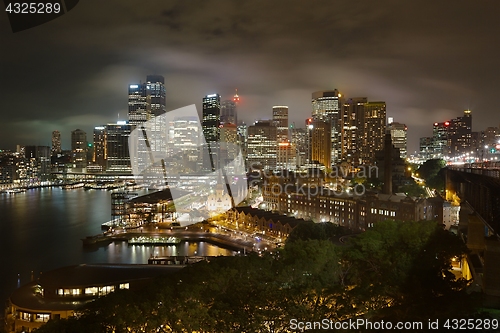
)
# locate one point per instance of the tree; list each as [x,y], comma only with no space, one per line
[430,168]
[308,230]
[406,266]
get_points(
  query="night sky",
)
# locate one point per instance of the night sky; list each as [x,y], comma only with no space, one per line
[428,60]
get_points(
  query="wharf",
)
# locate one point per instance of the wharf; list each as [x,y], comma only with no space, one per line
[221,240]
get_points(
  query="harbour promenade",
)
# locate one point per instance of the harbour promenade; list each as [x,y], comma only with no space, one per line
[238,241]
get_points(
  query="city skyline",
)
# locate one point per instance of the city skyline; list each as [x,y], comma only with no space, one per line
[428,67]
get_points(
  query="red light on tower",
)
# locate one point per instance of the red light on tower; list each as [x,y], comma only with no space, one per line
[236,98]
[446,123]
[435,124]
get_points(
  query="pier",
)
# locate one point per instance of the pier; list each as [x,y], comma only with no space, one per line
[161,236]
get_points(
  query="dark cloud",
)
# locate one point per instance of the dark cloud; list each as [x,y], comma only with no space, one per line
[428,60]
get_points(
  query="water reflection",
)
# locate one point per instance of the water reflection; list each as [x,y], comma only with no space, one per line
[41,229]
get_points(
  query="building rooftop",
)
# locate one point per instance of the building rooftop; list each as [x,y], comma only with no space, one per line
[81,276]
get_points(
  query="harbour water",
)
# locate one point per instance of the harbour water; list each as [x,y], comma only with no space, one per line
[41,229]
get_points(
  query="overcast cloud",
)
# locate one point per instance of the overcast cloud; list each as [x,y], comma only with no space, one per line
[429,61]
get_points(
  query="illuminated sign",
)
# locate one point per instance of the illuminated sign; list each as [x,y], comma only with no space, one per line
[134,86]
[121,122]
[99,127]
[213,95]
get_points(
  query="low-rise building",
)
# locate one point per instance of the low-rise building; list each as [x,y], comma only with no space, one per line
[61,292]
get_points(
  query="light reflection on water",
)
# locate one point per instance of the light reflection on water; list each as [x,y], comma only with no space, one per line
[41,229]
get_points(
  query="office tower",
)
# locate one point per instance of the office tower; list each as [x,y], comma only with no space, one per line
[56,143]
[286,156]
[326,106]
[100,147]
[228,113]
[280,119]
[426,148]
[8,168]
[388,150]
[185,141]
[139,105]
[320,132]
[352,129]
[155,89]
[262,145]
[37,162]
[399,137]
[460,135]
[301,142]
[439,147]
[229,144]
[79,149]
[117,152]
[146,103]
[373,133]
[146,100]
[210,125]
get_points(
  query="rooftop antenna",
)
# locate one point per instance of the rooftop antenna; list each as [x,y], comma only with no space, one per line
[236,98]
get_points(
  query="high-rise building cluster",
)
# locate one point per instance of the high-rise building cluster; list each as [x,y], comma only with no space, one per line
[455,141]
[339,129]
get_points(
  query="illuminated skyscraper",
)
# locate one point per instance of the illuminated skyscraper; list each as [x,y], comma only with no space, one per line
[117,152]
[228,113]
[352,128]
[100,142]
[262,145]
[280,119]
[399,137]
[146,100]
[326,106]
[56,143]
[79,149]
[211,130]
[373,132]
[320,132]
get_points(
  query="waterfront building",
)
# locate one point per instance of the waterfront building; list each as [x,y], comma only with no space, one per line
[100,155]
[38,163]
[117,149]
[60,293]
[79,150]
[56,143]
[8,167]
[262,221]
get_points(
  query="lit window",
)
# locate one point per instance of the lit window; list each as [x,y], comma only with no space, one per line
[42,317]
